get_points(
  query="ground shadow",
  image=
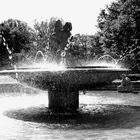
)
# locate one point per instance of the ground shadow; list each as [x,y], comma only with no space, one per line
[88,116]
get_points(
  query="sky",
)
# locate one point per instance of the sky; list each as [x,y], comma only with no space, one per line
[81,13]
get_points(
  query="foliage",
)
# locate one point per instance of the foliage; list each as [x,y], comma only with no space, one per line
[119,26]
[41,38]
[52,37]
[15,35]
[84,48]
[97,49]
[41,35]
[59,39]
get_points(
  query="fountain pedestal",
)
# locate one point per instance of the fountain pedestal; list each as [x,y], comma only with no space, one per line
[63,100]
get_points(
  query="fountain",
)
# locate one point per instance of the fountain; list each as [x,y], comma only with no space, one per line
[64,83]
[101,114]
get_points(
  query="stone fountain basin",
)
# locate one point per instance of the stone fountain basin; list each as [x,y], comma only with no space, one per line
[70,77]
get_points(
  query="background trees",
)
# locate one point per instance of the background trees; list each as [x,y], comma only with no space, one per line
[52,37]
[15,35]
[118,35]
[84,48]
[119,26]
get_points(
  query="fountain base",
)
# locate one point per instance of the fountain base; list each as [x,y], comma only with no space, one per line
[63,100]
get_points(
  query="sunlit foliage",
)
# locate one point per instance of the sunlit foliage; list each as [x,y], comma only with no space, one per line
[119,26]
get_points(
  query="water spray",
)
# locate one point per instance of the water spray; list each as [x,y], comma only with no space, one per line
[8,50]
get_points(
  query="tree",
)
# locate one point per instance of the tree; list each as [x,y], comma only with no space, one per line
[59,39]
[52,37]
[119,25]
[41,35]
[83,48]
[15,35]
[96,49]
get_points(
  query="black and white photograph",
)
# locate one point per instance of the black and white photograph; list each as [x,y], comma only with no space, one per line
[70,70]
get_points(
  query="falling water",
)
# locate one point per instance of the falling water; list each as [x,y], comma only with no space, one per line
[6,53]
[105,61]
[107,58]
